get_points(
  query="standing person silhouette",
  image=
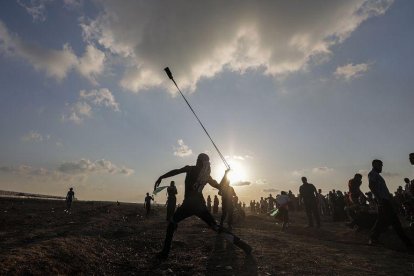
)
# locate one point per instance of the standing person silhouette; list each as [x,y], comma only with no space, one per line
[386,213]
[194,205]
[227,208]
[171,200]
[209,203]
[215,204]
[308,194]
[69,198]
[147,204]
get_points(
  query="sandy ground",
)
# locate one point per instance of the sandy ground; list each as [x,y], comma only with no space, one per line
[38,237]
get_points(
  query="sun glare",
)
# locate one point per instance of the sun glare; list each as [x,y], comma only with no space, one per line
[237,172]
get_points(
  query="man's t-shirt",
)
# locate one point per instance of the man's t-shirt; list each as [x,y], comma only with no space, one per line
[193,187]
[148,200]
[307,191]
[172,191]
[70,195]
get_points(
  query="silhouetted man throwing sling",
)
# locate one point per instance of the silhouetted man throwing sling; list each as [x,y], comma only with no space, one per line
[386,213]
[194,205]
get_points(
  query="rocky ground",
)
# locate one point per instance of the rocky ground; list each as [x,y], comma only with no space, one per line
[38,237]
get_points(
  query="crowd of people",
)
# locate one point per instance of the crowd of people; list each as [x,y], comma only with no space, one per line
[374,210]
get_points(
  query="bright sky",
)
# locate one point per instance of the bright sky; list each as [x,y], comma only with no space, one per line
[285,88]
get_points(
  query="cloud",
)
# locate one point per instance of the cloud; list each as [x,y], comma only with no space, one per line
[391,174]
[37,173]
[299,173]
[182,150]
[363,172]
[261,181]
[238,157]
[55,63]
[72,4]
[36,8]
[91,64]
[82,109]
[241,183]
[101,97]
[351,71]
[322,170]
[85,166]
[33,136]
[271,190]
[200,39]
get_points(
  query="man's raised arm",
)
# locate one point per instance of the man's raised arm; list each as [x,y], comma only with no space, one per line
[169,174]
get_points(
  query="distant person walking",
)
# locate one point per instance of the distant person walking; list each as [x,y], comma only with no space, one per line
[215,204]
[308,195]
[209,203]
[69,198]
[171,200]
[227,207]
[147,204]
[194,205]
[386,213]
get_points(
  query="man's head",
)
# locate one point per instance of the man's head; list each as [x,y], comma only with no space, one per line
[412,158]
[358,176]
[377,165]
[172,184]
[406,180]
[147,194]
[304,180]
[71,189]
[202,159]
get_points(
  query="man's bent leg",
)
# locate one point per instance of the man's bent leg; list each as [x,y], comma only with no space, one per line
[229,236]
[181,214]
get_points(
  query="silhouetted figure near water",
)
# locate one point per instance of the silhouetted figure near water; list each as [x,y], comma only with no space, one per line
[147,204]
[215,204]
[171,200]
[209,203]
[308,195]
[69,198]
[227,208]
[386,213]
[194,205]
[412,158]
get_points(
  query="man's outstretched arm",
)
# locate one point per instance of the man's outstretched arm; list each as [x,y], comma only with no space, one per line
[169,174]
[215,184]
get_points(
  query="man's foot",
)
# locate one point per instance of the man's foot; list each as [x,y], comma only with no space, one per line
[350,224]
[161,255]
[244,246]
[373,242]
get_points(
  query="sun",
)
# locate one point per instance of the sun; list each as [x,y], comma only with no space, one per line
[237,173]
